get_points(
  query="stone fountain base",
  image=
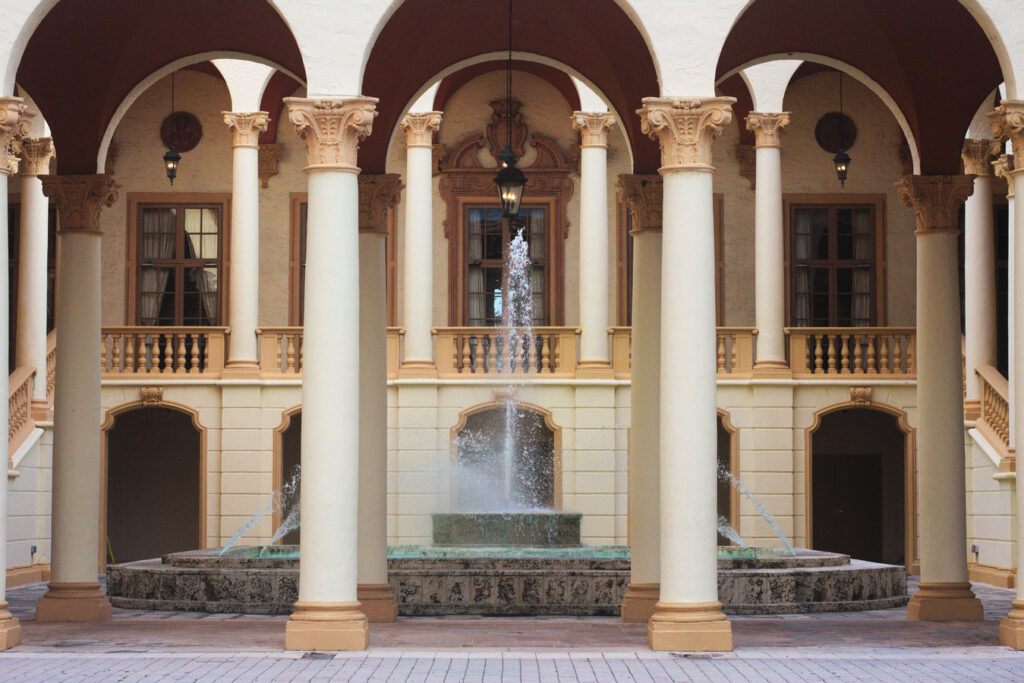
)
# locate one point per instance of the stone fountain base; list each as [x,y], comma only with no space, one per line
[499,529]
[582,581]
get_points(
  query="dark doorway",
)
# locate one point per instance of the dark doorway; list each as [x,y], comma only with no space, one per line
[153,485]
[724,485]
[291,455]
[857,492]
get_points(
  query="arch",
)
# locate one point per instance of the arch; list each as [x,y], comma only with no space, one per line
[732,433]
[909,470]
[292,417]
[861,77]
[497,403]
[421,40]
[110,423]
[991,28]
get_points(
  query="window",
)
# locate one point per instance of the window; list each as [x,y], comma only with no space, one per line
[488,239]
[832,265]
[13,253]
[179,263]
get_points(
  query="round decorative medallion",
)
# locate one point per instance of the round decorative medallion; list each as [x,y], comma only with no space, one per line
[835,131]
[182,131]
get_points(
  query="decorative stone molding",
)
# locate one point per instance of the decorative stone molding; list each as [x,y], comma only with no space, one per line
[151,396]
[936,199]
[14,124]
[246,126]
[746,156]
[1003,167]
[420,128]
[593,127]
[332,129]
[377,194]
[497,127]
[685,128]
[767,126]
[35,156]
[80,199]
[13,158]
[438,153]
[1008,124]
[860,396]
[269,155]
[642,196]
[978,155]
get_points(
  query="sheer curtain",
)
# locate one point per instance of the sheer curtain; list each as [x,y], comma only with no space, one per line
[802,274]
[861,310]
[203,244]
[158,233]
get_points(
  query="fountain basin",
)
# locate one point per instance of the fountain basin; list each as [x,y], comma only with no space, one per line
[581,581]
[533,529]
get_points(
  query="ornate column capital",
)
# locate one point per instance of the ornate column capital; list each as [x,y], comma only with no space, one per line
[642,196]
[332,129]
[593,127]
[1008,124]
[269,154]
[14,124]
[35,155]
[936,199]
[685,128]
[246,126]
[767,126]
[1003,168]
[420,128]
[80,199]
[377,194]
[978,155]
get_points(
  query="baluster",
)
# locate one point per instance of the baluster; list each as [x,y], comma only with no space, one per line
[492,353]
[103,353]
[734,354]
[479,355]
[206,354]
[456,354]
[910,356]
[545,353]
[897,354]
[872,370]
[179,361]
[858,353]
[817,355]
[721,354]
[193,356]
[290,359]
[464,360]
[833,342]
[129,353]
[280,341]
[883,354]
[168,357]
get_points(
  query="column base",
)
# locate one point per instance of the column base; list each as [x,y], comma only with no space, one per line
[378,602]
[241,369]
[417,369]
[83,601]
[594,369]
[689,627]
[972,409]
[326,626]
[1011,627]
[944,601]
[10,628]
[772,369]
[639,602]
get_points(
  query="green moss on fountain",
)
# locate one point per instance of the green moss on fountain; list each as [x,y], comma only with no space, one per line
[536,529]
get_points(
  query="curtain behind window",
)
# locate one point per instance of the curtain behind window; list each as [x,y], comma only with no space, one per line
[158,237]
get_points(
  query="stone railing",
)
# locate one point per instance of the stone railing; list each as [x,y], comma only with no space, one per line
[280,350]
[734,351]
[622,351]
[479,351]
[394,350]
[19,406]
[820,351]
[994,422]
[51,365]
[175,351]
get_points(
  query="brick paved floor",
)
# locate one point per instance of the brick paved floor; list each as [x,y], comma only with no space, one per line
[149,646]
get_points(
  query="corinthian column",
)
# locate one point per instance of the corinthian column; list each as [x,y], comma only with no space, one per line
[769,260]
[328,615]
[945,592]
[1008,122]
[593,128]
[245,240]
[12,123]
[74,593]
[688,615]
[418,276]
[377,195]
[642,196]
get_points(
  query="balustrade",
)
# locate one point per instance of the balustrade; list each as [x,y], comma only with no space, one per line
[175,351]
[886,351]
[19,405]
[734,351]
[469,351]
[994,422]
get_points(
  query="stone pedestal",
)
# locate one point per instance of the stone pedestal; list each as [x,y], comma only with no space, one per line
[944,602]
[378,602]
[690,627]
[73,602]
[639,603]
[327,626]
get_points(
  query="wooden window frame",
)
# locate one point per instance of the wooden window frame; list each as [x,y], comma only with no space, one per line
[880,301]
[295,284]
[133,245]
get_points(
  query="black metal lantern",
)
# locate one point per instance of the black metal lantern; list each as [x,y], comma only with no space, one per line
[171,160]
[510,180]
[842,162]
[841,159]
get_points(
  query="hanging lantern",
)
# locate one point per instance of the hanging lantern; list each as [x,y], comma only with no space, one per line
[841,159]
[510,180]
[842,162]
[171,160]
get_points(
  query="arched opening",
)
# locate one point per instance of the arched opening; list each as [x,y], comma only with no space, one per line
[506,458]
[154,487]
[287,460]
[859,496]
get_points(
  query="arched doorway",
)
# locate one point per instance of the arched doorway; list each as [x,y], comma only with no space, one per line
[154,489]
[286,476]
[859,493]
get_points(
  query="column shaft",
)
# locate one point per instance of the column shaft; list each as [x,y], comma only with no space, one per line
[30,345]
[1011,627]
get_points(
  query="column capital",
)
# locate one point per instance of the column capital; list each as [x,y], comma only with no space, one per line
[1008,124]
[14,124]
[332,129]
[1003,168]
[685,128]
[766,127]
[978,155]
[936,199]
[246,126]
[35,155]
[642,196]
[593,127]
[80,199]
[420,128]
[377,194]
